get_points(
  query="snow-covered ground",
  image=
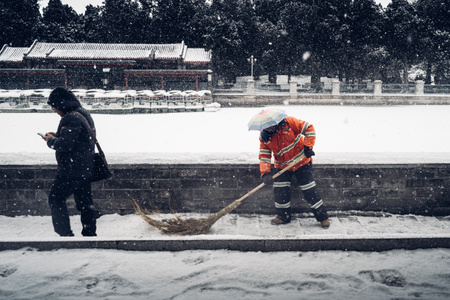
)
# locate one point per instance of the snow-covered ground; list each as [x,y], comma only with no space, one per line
[221,274]
[111,274]
[349,225]
[118,274]
[345,134]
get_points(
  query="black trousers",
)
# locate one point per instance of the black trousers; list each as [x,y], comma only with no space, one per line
[61,189]
[305,178]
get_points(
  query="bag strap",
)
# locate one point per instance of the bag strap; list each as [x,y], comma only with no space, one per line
[100,151]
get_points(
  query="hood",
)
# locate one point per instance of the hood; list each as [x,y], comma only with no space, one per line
[64,100]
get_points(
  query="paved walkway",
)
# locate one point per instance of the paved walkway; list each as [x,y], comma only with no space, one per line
[348,231]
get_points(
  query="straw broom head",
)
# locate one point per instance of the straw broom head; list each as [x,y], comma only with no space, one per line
[187,226]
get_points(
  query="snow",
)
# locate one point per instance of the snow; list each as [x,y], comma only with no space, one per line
[220,274]
[351,225]
[345,134]
[109,274]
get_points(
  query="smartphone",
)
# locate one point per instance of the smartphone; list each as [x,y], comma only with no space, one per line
[41,134]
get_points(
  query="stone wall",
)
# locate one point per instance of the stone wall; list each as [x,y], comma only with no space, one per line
[420,189]
[229,99]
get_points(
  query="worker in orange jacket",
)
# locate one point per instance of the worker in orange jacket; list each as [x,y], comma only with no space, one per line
[288,140]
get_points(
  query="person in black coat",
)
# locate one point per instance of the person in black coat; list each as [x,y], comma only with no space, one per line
[75,148]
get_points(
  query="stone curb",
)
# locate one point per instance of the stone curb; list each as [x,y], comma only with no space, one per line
[253,245]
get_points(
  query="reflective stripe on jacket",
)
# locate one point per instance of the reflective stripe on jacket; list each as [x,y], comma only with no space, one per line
[286,145]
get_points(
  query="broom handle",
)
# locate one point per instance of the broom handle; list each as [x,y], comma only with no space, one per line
[274,176]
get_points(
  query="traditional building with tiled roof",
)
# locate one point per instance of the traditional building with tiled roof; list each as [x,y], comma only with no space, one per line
[12,55]
[109,66]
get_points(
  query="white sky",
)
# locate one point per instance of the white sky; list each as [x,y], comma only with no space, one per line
[80,5]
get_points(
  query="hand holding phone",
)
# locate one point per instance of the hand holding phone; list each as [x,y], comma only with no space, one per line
[41,134]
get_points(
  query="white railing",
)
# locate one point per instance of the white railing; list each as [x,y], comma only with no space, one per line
[98,99]
[376,88]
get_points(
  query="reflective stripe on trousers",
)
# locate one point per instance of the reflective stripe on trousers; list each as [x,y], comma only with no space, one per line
[305,178]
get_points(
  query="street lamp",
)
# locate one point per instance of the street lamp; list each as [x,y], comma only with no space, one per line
[105,79]
[251,60]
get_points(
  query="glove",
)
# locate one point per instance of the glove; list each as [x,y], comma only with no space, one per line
[267,179]
[308,152]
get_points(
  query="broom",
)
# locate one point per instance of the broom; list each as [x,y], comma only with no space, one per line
[192,226]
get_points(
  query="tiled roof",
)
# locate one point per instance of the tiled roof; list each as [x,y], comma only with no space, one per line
[105,51]
[197,55]
[97,51]
[12,54]
[168,51]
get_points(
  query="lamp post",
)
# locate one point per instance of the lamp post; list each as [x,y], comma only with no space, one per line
[105,78]
[251,60]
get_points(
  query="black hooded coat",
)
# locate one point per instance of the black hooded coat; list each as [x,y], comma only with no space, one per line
[73,142]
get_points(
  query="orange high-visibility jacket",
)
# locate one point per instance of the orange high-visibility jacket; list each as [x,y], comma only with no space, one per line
[287,145]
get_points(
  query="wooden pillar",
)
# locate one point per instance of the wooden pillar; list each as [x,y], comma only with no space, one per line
[197,87]
[126,81]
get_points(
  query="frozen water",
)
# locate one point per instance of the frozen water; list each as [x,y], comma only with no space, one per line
[345,134]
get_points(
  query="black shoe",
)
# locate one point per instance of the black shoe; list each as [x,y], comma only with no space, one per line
[89,230]
[89,234]
[67,234]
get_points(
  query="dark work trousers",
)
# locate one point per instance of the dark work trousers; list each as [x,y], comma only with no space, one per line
[282,192]
[62,188]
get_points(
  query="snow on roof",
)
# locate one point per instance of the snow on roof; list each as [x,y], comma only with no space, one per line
[105,51]
[92,51]
[197,55]
[12,54]
[169,51]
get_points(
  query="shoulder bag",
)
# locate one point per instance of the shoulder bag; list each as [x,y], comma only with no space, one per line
[101,168]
